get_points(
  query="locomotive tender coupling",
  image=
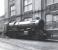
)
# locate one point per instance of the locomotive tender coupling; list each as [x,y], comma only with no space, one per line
[33,29]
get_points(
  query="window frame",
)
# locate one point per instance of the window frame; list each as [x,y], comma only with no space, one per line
[13,10]
[27,5]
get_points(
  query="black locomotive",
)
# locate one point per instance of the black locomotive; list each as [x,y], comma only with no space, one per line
[27,29]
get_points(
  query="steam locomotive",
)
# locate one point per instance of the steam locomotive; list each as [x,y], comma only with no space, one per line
[27,29]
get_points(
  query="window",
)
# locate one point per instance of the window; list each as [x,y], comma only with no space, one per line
[51,21]
[12,0]
[55,1]
[28,19]
[56,21]
[27,5]
[37,15]
[49,2]
[13,10]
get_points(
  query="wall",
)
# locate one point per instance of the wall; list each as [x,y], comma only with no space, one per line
[43,8]
[18,7]
[6,9]
[37,7]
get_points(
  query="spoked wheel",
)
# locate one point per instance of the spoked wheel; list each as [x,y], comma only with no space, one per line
[40,35]
[36,36]
[43,35]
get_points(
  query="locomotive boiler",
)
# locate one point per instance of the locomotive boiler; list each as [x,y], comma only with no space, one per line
[27,29]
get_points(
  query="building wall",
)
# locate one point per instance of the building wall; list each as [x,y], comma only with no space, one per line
[37,7]
[18,7]
[14,9]
[18,10]
[52,14]
[6,9]
[36,10]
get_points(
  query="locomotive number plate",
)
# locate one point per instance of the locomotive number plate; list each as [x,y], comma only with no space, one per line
[25,32]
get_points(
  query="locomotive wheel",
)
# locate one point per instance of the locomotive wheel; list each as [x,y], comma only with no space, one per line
[36,35]
[43,35]
[39,35]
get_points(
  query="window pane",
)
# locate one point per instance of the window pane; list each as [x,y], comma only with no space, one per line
[12,13]
[56,19]
[12,0]
[28,19]
[27,5]
[29,1]
[25,8]
[12,8]
[49,2]
[25,2]
[55,1]
[30,7]
[49,21]
[49,18]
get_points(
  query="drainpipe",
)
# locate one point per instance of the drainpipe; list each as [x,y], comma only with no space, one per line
[33,8]
[43,11]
